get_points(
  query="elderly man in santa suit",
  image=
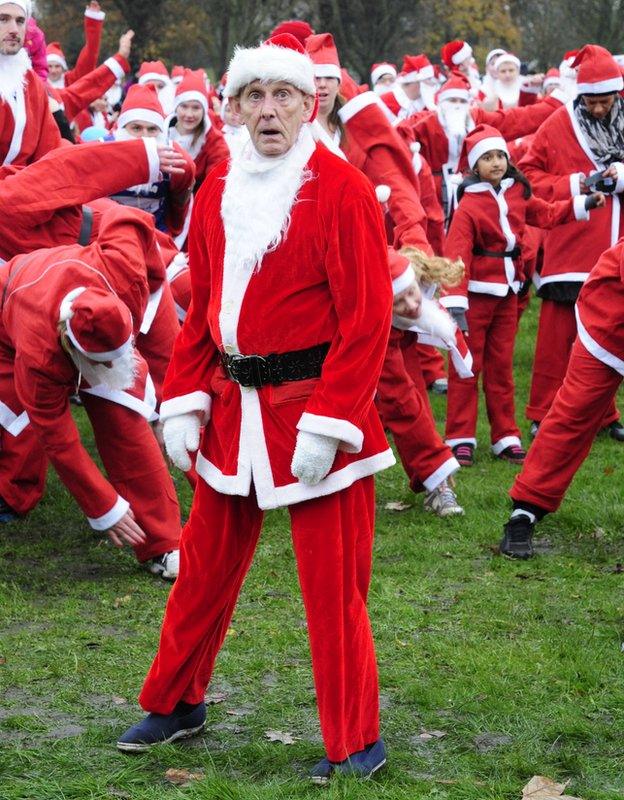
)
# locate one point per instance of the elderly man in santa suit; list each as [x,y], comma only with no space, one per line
[279,358]
[567,432]
[408,96]
[580,144]
[441,135]
[80,336]
[27,128]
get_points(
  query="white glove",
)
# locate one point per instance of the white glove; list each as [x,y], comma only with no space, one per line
[181,437]
[313,457]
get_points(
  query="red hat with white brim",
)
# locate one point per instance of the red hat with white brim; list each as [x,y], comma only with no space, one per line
[456,88]
[455,52]
[142,104]
[381,69]
[153,71]
[192,87]
[55,54]
[507,58]
[99,324]
[598,72]
[481,140]
[322,50]
[416,68]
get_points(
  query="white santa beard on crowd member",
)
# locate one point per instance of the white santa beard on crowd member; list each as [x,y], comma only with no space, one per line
[383,88]
[166,95]
[12,72]
[113,95]
[59,83]
[508,93]
[457,121]
[258,198]
[120,376]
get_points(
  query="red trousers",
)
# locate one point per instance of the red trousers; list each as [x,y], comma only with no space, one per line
[133,461]
[492,326]
[555,336]
[332,538]
[405,411]
[567,432]
[431,363]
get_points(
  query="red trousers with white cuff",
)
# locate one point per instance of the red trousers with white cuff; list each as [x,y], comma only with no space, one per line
[332,538]
[556,334]
[405,411]
[567,432]
[133,462]
[492,325]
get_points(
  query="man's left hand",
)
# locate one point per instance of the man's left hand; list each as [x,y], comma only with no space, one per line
[313,457]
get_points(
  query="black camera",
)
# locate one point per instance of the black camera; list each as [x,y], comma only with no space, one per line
[597,183]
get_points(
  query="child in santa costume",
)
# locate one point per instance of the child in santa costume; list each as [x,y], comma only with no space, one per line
[192,126]
[279,358]
[167,199]
[27,128]
[567,432]
[80,337]
[487,230]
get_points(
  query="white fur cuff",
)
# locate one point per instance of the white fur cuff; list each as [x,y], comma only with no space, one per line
[351,438]
[195,401]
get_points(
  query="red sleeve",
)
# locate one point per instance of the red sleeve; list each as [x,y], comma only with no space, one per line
[213,151]
[459,243]
[542,214]
[180,192]
[536,166]
[83,91]
[514,122]
[431,204]
[388,162]
[90,53]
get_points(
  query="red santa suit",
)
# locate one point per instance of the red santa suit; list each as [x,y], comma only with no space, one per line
[594,374]
[415,69]
[557,159]
[249,281]
[81,93]
[89,55]
[27,128]
[487,232]
[36,380]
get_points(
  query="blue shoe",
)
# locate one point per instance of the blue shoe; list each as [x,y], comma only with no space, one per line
[184,721]
[362,764]
[6,512]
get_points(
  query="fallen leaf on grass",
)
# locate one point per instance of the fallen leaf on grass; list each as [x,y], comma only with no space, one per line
[280,736]
[215,697]
[541,788]
[2,661]
[231,632]
[425,736]
[239,712]
[182,777]
[122,601]
[397,506]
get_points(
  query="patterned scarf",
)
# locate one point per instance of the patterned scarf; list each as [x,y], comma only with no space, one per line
[605,137]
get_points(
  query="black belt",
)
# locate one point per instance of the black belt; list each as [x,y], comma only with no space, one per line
[276,368]
[86,226]
[479,251]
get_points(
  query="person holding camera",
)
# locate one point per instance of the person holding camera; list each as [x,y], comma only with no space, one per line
[577,151]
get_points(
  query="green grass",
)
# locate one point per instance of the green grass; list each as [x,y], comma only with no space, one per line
[468,643]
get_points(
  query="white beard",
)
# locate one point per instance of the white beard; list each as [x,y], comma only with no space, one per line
[457,121]
[258,199]
[12,74]
[118,377]
[113,95]
[166,95]
[383,88]
[508,94]
[59,83]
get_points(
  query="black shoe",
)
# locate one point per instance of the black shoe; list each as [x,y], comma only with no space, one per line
[517,537]
[184,721]
[464,453]
[362,764]
[6,512]
[616,431]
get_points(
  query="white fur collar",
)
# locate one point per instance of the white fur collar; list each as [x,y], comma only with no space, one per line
[258,199]
[12,74]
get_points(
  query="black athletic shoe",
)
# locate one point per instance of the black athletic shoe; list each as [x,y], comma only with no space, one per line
[363,764]
[616,431]
[517,537]
[183,722]
[6,512]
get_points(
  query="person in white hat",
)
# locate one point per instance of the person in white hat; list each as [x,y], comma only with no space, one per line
[27,128]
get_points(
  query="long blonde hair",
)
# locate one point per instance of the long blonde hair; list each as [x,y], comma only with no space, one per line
[434,269]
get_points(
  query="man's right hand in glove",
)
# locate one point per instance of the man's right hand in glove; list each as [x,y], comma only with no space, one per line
[181,437]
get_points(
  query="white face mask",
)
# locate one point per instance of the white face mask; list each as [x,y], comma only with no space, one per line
[120,376]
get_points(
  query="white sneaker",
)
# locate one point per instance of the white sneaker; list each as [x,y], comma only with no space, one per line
[442,501]
[166,565]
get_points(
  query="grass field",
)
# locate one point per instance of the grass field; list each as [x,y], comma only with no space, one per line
[518,666]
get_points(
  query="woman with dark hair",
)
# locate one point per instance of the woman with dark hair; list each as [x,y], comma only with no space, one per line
[495,205]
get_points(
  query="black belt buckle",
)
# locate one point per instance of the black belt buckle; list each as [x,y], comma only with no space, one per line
[246,370]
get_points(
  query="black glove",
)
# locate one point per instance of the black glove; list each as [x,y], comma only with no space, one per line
[591,201]
[459,316]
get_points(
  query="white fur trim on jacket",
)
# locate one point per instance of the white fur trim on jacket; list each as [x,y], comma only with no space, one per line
[580,212]
[619,186]
[153,161]
[195,401]
[454,301]
[90,13]
[351,438]
[356,104]
[575,183]
[111,517]
[11,422]
[115,67]
[269,63]
[596,350]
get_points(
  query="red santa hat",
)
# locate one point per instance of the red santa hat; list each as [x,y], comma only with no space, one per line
[99,325]
[177,74]
[401,271]
[381,69]
[153,71]
[192,87]
[55,54]
[142,103]
[479,141]
[552,78]
[280,58]
[453,53]
[322,50]
[456,88]
[295,27]
[507,58]
[598,72]
[416,68]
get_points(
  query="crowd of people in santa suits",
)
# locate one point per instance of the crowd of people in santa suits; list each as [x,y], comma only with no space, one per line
[488,183]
